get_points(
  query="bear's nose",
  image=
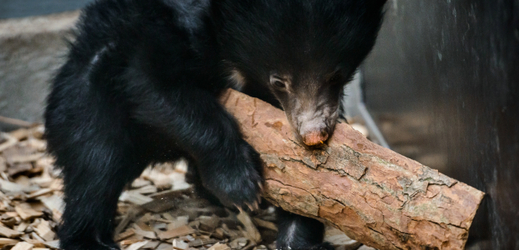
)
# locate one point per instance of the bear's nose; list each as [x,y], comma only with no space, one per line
[315,138]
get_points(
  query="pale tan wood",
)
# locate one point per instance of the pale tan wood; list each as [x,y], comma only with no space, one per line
[9,233]
[26,212]
[180,231]
[7,242]
[251,231]
[219,246]
[22,246]
[44,230]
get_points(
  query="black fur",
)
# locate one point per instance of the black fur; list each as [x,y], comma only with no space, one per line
[141,83]
[297,232]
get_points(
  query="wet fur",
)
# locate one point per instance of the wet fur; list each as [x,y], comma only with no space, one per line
[141,84]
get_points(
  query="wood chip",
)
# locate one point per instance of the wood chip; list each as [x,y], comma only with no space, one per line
[40,192]
[36,144]
[196,243]
[124,235]
[151,245]
[208,223]
[265,224]
[43,182]
[219,246]
[160,180]
[143,224]
[132,213]
[178,222]
[139,182]
[340,240]
[8,220]
[135,198]
[9,141]
[164,246]
[22,226]
[179,181]
[36,240]
[25,158]
[159,206]
[201,242]
[11,214]
[9,233]
[160,226]
[56,184]
[179,244]
[171,194]
[54,203]
[7,242]
[37,132]
[250,229]
[181,166]
[45,162]
[238,243]
[364,247]
[26,212]
[181,231]
[231,233]
[137,245]
[131,240]
[44,230]
[52,244]
[144,233]
[219,234]
[19,168]
[3,164]
[10,187]
[22,246]
[20,134]
[149,189]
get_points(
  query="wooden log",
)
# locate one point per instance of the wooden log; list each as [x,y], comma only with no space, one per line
[371,193]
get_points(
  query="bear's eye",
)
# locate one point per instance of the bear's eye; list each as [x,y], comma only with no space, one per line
[277,82]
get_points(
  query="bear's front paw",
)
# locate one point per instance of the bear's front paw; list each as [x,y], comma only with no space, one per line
[239,179]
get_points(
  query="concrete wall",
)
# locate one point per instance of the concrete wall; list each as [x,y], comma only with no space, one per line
[31,49]
[26,8]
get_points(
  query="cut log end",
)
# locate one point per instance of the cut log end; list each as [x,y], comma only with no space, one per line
[373,194]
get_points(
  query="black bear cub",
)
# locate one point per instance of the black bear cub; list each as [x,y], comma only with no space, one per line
[141,83]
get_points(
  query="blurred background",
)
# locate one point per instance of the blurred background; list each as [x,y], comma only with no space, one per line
[441,87]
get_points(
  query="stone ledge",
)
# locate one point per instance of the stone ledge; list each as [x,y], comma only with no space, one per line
[37,25]
[31,50]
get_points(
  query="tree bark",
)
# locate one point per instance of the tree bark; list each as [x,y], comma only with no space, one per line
[373,194]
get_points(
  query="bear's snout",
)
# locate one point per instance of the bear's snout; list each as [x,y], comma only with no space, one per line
[315,138]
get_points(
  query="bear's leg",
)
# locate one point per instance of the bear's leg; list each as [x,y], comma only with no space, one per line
[94,177]
[228,166]
[299,233]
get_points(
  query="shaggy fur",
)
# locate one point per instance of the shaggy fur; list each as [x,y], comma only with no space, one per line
[141,84]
